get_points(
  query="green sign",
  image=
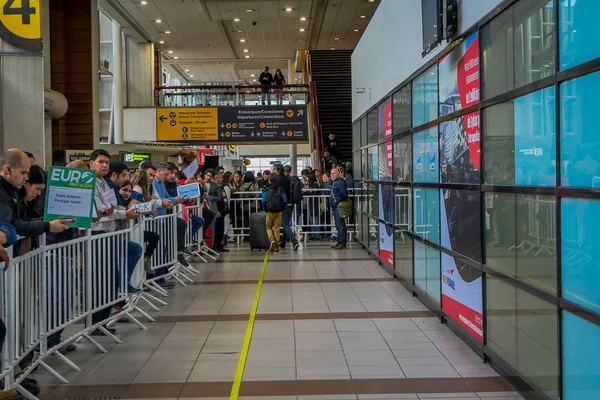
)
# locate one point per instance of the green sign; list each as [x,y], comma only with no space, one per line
[127,157]
[70,195]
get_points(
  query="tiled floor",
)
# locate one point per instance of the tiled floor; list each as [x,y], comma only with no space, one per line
[330,325]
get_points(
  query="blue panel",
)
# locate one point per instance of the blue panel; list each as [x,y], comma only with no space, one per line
[420,163]
[427,214]
[581,352]
[578,32]
[535,138]
[425,97]
[432,155]
[580,141]
[581,252]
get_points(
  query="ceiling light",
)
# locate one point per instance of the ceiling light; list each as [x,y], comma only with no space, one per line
[143,2]
[191,76]
[187,70]
[170,51]
[371,1]
[236,20]
[247,56]
[243,40]
[162,42]
[240,31]
[253,80]
[289,9]
[167,32]
[158,21]
[252,75]
[176,57]
[302,29]
[245,50]
[333,48]
[357,30]
[302,18]
[363,16]
[337,38]
[249,10]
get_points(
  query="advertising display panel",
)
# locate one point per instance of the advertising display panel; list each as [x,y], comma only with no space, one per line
[386,232]
[462,284]
[384,116]
[460,150]
[386,161]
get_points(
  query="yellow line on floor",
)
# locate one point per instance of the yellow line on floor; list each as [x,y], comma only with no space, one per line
[239,374]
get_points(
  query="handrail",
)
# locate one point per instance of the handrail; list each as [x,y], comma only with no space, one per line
[208,87]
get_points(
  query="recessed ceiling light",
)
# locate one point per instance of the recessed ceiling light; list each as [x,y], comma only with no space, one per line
[249,10]
[167,32]
[243,40]
[158,21]
[357,30]
[176,57]
[289,9]
[337,38]
[187,70]
[246,50]
[371,1]
[191,76]
[247,56]
[162,42]
[252,75]
[302,29]
[236,20]
[302,18]
[143,2]
[170,51]
[240,31]
[363,16]
[333,48]
[253,80]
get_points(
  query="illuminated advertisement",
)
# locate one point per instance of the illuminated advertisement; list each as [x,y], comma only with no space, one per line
[386,161]
[459,77]
[386,232]
[425,152]
[462,284]
[460,149]
[385,119]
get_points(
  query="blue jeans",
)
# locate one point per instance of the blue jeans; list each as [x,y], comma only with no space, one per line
[340,225]
[197,223]
[286,224]
[134,253]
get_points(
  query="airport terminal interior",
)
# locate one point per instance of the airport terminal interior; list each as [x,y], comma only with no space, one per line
[299,199]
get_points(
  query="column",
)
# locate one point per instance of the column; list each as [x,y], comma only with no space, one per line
[294,158]
[117,82]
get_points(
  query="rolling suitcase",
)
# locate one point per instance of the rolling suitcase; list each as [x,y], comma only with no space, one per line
[258,232]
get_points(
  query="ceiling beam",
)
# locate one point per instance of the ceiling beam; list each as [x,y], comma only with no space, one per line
[318,9]
[223,61]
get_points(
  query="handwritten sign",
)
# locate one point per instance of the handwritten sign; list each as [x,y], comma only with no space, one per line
[143,208]
[191,169]
[110,199]
[191,191]
[70,195]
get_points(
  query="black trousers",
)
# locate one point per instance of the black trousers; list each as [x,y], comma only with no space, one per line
[151,239]
[181,228]
[219,232]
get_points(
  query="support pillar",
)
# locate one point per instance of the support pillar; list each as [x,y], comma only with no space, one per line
[294,158]
[117,82]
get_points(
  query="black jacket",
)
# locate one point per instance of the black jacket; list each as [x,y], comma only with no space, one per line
[12,211]
[265,79]
[286,185]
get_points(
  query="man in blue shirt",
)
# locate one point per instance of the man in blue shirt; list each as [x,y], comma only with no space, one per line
[339,193]
[162,173]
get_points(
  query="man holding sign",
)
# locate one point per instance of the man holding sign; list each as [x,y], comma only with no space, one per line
[100,162]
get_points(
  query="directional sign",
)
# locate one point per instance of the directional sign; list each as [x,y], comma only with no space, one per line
[187,124]
[272,124]
[21,23]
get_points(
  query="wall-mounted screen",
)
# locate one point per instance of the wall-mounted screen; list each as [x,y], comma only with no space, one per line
[432,24]
[386,161]
[386,232]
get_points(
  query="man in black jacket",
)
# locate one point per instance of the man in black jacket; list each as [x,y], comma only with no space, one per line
[266,80]
[219,199]
[13,175]
[286,216]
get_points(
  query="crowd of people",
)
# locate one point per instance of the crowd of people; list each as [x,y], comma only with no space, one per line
[276,192]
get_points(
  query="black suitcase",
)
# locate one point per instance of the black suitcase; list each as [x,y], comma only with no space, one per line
[258,232]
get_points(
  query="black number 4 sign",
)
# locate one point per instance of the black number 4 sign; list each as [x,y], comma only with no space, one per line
[25,11]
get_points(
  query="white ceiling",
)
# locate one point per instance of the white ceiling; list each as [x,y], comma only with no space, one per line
[207,40]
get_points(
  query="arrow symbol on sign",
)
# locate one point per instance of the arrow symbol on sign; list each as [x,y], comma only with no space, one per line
[252,134]
[163,118]
[300,113]
[283,133]
[222,125]
[222,135]
[258,134]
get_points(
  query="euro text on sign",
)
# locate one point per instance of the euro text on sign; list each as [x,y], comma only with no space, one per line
[71,195]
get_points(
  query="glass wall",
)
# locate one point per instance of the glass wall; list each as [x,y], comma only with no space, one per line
[488,185]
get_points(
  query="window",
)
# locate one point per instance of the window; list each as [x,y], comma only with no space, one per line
[521,133]
[402,159]
[580,142]
[356,136]
[581,252]
[427,270]
[356,165]
[403,208]
[518,47]
[578,28]
[373,235]
[401,110]
[403,255]
[459,77]
[425,97]
[425,156]
[364,164]
[386,228]
[522,330]
[373,163]
[581,351]
[363,131]
[372,127]
[427,214]
[460,151]
[520,237]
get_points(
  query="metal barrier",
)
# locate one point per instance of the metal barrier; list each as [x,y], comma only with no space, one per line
[194,240]
[541,227]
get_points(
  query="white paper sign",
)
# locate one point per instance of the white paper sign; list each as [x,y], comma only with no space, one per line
[110,198]
[69,201]
[191,191]
[143,208]
[191,169]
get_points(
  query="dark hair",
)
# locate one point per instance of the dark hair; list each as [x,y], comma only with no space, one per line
[29,154]
[173,167]
[163,165]
[249,177]
[304,172]
[273,178]
[181,175]
[279,169]
[227,177]
[220,167]
[127,183]
[147,165]
[116,167]
[209,170]
[37,175]
[97,153]
[267,172]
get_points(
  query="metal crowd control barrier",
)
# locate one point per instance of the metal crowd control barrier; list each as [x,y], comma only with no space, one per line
[541,227]
[194,240]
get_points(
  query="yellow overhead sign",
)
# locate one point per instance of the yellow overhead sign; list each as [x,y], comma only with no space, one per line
[187,123]
[22,18]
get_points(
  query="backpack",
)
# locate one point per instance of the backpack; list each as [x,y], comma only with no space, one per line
[275,200]
[296,190]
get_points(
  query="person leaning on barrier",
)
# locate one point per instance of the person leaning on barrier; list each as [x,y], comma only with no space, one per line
[13,176]
[162,173]
[100,162]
